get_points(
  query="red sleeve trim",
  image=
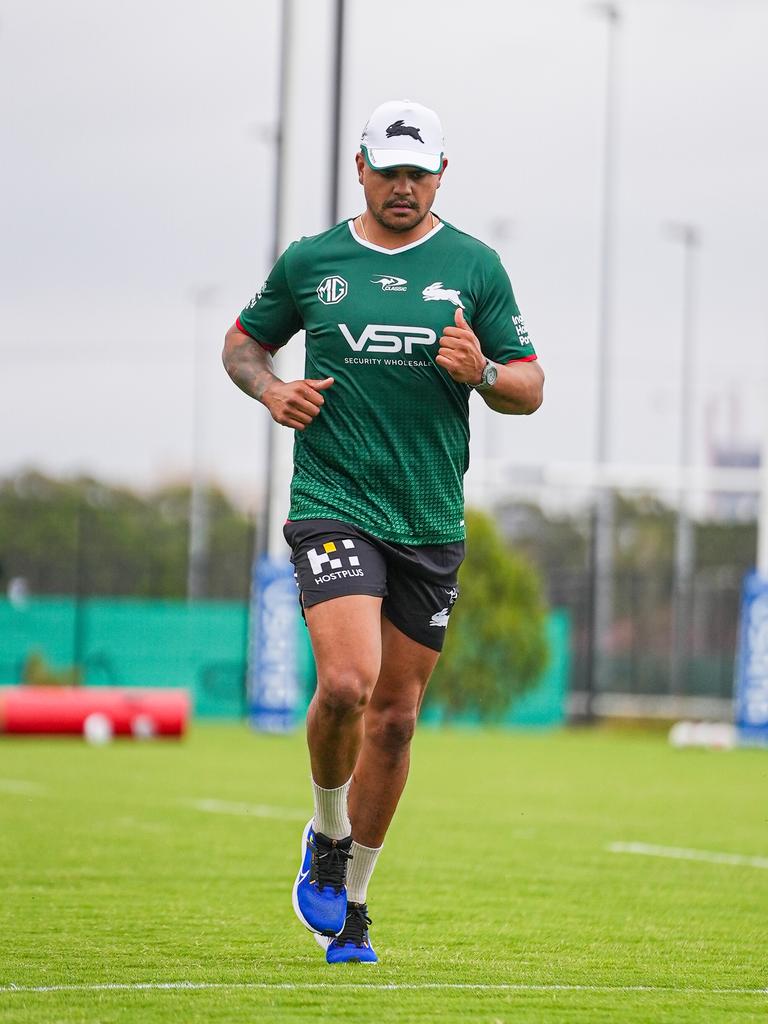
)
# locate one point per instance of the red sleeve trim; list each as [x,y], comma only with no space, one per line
[244,330]
[523,359]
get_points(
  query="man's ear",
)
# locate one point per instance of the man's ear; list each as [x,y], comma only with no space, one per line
[442,172]
[360,161]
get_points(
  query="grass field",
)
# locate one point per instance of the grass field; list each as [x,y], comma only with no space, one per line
[151,882]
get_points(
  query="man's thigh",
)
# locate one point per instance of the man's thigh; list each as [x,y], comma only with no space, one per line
[406,667]
[346,642]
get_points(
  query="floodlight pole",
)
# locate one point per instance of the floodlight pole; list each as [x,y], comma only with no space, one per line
[266,541]
[682,591]
[197,550]
[336,111]
[600,597]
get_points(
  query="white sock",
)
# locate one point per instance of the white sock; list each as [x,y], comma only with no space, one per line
[359,871]
[331,817]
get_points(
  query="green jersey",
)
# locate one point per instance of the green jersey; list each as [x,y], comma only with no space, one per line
[389,448]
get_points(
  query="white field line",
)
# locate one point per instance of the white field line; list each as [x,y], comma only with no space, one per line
[256,986]
[680,853]
[135,824]
[247,810]
[20,787]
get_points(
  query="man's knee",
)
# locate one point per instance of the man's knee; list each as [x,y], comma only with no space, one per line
[343,693]
[392,728]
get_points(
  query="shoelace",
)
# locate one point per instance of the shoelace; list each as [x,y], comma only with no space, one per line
[331,866]
[356,925]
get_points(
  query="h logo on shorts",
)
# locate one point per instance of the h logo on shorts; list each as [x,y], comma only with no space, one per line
[320,561]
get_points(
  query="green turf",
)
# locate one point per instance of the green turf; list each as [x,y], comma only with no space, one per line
[495,873]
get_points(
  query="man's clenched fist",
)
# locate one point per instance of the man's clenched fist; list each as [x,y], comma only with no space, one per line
[460,354]
[297,402]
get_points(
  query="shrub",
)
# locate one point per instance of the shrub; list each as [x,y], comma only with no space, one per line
[496,647]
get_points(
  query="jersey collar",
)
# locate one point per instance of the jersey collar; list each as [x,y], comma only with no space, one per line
[402,248]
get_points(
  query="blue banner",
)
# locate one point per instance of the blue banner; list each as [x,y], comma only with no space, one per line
[273,683]
[752,663]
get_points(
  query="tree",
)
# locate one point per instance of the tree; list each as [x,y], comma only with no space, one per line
[554,543]
[84,536]
[496,647]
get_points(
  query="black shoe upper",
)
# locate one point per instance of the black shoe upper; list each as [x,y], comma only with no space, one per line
[355,930]
[329,861]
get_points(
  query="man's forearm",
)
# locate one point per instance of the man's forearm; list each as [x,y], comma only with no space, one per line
[518,391]
[248,364]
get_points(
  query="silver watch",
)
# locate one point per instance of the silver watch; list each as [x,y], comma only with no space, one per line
[488,377]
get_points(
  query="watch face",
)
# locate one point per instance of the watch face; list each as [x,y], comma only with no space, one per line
[490,374]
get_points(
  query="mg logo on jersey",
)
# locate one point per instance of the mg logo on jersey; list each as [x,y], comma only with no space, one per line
[390,284]
[436,293]
[332,290]
[388,338]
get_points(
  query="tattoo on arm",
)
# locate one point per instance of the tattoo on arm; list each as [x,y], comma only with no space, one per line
[248,364]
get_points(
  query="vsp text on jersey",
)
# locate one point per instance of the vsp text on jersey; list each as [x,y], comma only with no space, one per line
[390,447]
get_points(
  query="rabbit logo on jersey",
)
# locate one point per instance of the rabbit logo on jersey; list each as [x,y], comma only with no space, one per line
[322,561]
[437,293]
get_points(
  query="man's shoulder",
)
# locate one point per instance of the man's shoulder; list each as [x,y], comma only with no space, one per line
[309,245]
[469,243]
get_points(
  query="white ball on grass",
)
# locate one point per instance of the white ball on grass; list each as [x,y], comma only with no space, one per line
[97,729]
[143,727]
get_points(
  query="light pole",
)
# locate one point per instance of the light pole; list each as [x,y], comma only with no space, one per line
[336,98]
[197,551]
[600,598]
[688,236]
[267,537]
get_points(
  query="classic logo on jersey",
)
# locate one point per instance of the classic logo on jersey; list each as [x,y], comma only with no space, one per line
[256,297]
[401,128]
[388,338]
[322,561]
[332,290]
[390,284]
[437,293]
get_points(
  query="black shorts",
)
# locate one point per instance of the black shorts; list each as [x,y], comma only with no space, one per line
[418,583]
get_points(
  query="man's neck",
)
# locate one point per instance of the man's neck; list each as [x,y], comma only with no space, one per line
[369,229]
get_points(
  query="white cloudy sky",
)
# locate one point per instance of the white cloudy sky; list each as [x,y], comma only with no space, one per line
[136,166]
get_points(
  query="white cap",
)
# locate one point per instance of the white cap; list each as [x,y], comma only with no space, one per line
[403,134]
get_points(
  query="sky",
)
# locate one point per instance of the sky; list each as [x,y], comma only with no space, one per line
[138,172]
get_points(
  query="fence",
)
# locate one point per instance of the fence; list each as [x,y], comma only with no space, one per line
[123,642]
[200,646]
[640,644]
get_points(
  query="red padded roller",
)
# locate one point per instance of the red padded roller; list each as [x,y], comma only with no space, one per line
[61,710]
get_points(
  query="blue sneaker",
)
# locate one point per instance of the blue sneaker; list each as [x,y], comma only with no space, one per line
[352,945]
[320,892]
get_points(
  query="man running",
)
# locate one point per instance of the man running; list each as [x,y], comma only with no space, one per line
[405,316]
